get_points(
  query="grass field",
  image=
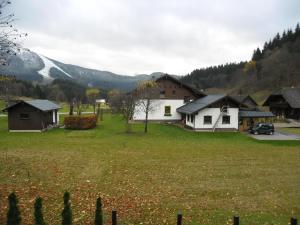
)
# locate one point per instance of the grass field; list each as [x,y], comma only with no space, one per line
[149,178]
[291,130]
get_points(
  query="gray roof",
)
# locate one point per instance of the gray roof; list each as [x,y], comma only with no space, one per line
[255,114]
[242,98]
[291,95]
[199,104]
[239,98]
[43,105]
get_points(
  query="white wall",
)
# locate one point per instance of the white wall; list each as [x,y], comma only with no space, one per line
[158,113]
[53,115]
[215,112]
[189,122]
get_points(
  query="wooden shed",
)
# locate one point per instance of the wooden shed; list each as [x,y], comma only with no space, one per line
[285,103]
[32,115]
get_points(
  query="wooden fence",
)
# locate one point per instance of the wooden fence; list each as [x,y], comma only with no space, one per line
[236,219]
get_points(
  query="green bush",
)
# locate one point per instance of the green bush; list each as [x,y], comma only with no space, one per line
[67,212]
[80,122]
[13,214]
[38,213]
[98,213]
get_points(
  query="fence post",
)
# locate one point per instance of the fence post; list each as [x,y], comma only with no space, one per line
[236,220]
[294,221]
[179,219]
[114,217]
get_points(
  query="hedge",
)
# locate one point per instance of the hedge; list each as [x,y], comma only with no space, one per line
[80,122]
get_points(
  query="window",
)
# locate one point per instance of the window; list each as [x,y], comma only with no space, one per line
[192,118]
[162,94]
[186,99]
[167,110]
[24,116]
[188,117]
[207,119]
[226,120]
[174,92]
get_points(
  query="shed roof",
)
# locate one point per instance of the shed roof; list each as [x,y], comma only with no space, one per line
[255,114]
[41,104]
[242,98]
[291,95]
[202,103]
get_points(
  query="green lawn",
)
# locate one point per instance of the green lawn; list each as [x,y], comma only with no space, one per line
[85,107]
[291,130]
[149,178]
[2,106]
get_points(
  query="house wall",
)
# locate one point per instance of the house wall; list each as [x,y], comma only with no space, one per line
[174,90]
[34,122]
[215,112]
[158,113]
[188,121]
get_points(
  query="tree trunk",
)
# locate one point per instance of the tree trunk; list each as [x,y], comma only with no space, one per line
[146,120]
[128,127]
[71,112]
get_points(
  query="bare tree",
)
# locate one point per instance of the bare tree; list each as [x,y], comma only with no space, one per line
[6,88]
[92,95]
[146,92]
[124,103]
[9,36]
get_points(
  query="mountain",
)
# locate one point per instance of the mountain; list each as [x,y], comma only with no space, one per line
[30,66]
[277,65]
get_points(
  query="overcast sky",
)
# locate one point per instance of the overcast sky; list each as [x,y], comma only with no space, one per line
[145,36]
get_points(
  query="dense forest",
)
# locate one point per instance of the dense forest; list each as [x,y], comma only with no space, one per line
[274,66]
[59,90]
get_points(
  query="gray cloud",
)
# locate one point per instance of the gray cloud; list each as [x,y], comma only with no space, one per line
[141,36]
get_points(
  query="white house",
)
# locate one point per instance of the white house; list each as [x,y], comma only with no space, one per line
[177,102]
[171,95]
[212,112]
[163,110]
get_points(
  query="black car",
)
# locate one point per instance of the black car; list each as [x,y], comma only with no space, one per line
[262,128]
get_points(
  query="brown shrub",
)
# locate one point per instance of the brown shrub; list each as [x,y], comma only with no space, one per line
[80,122]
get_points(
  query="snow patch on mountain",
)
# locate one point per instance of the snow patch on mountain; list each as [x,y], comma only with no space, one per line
[45,72]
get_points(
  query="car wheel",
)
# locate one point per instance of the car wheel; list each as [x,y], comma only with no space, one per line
[256,133]
[271,133]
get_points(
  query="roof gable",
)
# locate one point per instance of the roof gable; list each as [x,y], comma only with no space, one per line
[172,78]
[202,103]
[291,96]
[43,105]
[243,98]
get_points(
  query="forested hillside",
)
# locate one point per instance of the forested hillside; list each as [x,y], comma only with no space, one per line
[276,65]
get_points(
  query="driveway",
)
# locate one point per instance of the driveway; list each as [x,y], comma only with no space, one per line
[281,136]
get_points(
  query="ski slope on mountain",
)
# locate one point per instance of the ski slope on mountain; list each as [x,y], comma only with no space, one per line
[45,72]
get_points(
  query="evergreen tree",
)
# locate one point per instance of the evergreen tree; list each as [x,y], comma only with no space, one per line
[257,55]
[67,212]
[98,213]
[297,30]
[38,214]
[265,47]
[290,35]
[13,214]
[276,41]
[284,37]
